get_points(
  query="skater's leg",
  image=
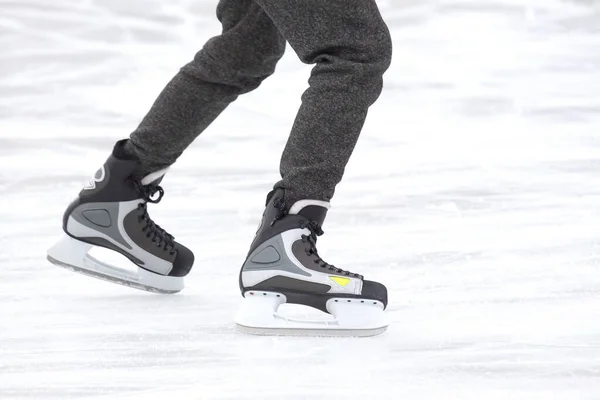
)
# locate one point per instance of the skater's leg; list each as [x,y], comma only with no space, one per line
[351,47]
[230,64]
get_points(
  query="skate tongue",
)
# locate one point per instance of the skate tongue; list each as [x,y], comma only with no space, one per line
[313,210]
[154,178]
[149,186]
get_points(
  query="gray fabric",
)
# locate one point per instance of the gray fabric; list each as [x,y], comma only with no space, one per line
[97,217]
[267,255]
[283,263]
[346,39]
[111,230]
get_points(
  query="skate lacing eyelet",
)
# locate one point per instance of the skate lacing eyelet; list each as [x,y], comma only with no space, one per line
[158,235]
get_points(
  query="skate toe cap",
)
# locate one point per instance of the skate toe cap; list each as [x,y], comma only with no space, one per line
[376,291]
[183,261]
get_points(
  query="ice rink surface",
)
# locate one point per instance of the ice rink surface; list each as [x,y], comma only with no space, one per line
[474,194]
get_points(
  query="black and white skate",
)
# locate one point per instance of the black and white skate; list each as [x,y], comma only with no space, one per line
[111,212]
[283,266]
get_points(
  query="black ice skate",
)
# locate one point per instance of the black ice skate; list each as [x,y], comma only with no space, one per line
[111,212]
[283,266]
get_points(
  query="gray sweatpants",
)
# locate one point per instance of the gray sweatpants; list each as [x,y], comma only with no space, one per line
[349,44]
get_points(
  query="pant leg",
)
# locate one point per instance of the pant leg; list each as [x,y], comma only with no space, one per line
[351,46]
[228,65]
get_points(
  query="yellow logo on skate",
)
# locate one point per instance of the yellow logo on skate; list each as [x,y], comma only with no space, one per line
[339,280]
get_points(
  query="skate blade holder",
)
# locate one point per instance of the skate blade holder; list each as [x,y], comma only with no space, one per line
[259,315]
[73,254]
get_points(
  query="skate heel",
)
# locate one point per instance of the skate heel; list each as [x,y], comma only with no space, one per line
[259,315]
[72,254]
[258,308]
[68,251]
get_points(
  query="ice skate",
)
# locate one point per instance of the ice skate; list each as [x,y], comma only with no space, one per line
[111,212]
[283,267]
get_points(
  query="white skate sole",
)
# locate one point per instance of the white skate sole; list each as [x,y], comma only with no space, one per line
[259,315]
[73,254]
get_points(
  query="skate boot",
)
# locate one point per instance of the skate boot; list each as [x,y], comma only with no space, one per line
[283,266]
[111,212]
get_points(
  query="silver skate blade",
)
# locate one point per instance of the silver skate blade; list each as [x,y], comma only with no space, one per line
[311,332]
[72,254]
[111,278]
[259,315]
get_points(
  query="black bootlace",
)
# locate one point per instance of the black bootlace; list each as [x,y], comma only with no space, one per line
[157,234]
[315,231]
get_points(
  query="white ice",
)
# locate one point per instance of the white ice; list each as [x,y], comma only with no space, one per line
[474,194]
